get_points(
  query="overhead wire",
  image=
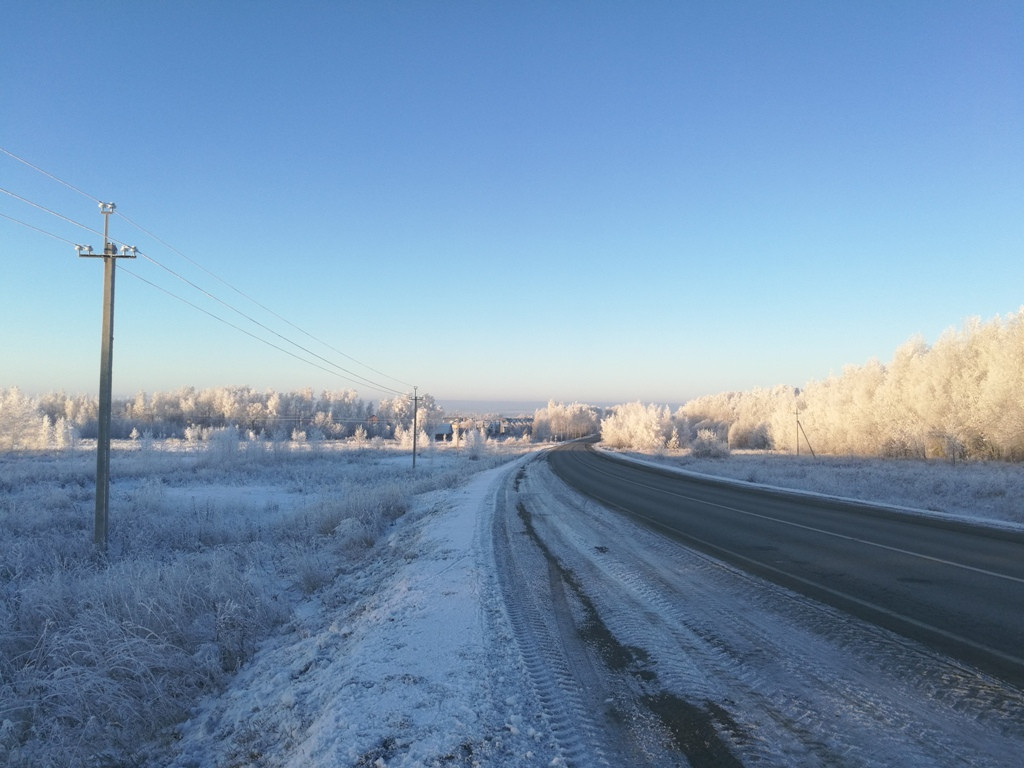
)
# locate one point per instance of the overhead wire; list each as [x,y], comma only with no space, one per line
[49,175]
[49,211]
[37,229]
[254,321]
[362,382]
[252,335]
[365,382]
[359,379]
[201,267]
[246,296]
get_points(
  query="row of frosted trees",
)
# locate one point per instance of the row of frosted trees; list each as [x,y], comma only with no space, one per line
[564,421]
[56,419]
[962,397]
[632,426]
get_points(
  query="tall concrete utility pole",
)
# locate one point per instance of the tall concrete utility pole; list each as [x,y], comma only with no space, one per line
[109,255]
[415,426]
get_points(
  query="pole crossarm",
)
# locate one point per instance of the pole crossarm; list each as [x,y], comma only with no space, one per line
[109,250]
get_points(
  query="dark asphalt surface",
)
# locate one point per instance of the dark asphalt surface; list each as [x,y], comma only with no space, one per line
[954,586]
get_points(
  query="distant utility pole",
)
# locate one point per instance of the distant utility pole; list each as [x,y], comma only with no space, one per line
[800,430]
[415,428]
[109,255]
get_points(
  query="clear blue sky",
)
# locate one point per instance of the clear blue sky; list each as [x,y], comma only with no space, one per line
[602,201]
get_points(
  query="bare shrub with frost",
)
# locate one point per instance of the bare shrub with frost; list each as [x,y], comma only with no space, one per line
[222,444]
[708,445]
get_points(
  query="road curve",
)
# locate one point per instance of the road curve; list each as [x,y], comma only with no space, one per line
[955,586]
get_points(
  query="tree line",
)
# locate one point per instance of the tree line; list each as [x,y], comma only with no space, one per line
[960,398]
[57,419]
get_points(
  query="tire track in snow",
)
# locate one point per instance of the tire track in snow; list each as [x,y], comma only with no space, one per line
[807,685]
[624,714]
[524,579]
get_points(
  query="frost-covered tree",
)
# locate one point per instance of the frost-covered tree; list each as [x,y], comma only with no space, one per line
[343,410]
[398,411]
[169,414]
[54,405]
[743,416]
[999,399]
[638,427]
[44,433]
[63,434]
[561,421]
[960,398]
[19,421]
[475,443]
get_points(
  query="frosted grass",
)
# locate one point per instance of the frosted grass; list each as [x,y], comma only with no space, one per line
[212,546]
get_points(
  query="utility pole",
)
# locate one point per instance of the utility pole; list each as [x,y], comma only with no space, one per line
[800,430]
[415,427]
[109,255]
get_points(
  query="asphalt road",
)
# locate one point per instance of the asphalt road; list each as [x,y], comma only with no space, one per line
[956,587]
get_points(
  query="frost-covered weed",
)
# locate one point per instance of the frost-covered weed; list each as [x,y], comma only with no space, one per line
[211,544]
[365,515]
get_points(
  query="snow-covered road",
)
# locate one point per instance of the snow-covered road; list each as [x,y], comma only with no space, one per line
[511,622]
[707,662]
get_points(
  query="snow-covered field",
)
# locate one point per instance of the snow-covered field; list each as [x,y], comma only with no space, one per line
[272,607]
[218,553]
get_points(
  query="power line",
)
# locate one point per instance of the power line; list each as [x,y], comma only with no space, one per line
[359,380]
[51,212]
[246,296]
[208,272]
[37,229]
[48,174]
[254,321]
[228,323]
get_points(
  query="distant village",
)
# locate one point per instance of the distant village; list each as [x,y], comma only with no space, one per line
[495,428]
